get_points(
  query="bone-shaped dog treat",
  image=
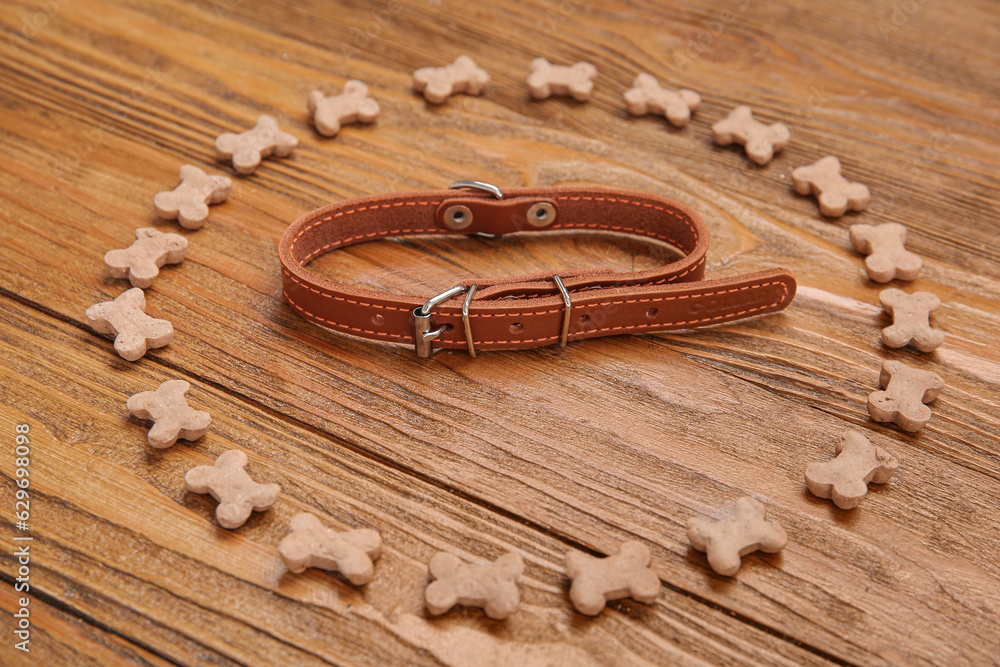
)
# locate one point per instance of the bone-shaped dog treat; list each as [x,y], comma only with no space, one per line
[906,391]
[760,141]
[141,261]
[492,586]
[547,79]
[439,83]
[911,319]
[887,258]
[169,411]
[836,195]
[845,479]
[247,149]
[311,544]
[126,319]
[727,540]
[352,106]
[647,96]
[228,482]
[188,202]
[622,575]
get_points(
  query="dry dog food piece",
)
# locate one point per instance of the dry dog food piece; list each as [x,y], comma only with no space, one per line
[169,411]
[836,195]
[492,586]
[247,149]
[911,319]
[126,319]
[188,202]
[647,96]
[727,540]
[311,544]
[141,261]
[547,79]
[760,141]
[228,482]
[887,258]
[845,479]
[439,83]
[622,575]
[906,391]
[352,106]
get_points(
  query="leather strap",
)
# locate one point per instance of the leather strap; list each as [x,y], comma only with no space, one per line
[527,310]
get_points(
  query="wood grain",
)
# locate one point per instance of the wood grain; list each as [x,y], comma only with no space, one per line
[537,451]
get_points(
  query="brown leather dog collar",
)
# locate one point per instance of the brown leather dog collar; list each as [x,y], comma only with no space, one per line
[528,310]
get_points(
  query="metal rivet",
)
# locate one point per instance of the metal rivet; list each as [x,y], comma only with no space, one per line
[457,217]
[541,214]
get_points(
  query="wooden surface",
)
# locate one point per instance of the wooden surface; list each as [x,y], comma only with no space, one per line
[538,451]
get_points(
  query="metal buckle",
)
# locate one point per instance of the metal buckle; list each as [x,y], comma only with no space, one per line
[423,335]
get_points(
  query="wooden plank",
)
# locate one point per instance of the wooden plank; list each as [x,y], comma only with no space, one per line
[564,475]
[608,439]
[60,638]
[466,450]
[120,541]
